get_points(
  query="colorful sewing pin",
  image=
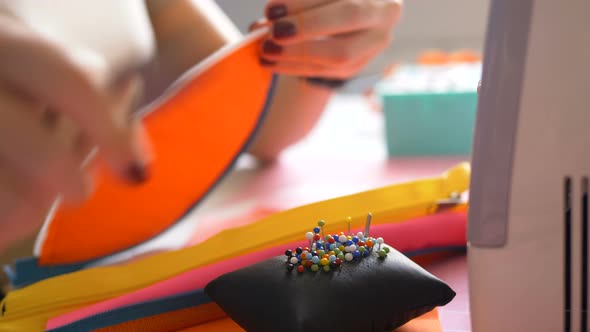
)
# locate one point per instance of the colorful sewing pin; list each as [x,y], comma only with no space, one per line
[380,242]
[309,237]
[342,239]
[368,225]
[329,252]
[321,223]
[349,221]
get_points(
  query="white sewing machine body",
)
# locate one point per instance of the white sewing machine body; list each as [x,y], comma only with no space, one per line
[528,222]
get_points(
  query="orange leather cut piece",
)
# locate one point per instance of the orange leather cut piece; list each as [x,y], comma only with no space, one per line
[196,135]
[170,321]
[428,322]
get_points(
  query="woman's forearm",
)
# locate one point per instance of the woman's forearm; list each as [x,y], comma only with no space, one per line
[295,109]
[187,32]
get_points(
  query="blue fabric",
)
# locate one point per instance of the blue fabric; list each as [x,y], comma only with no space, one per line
[137,311]
[28,271]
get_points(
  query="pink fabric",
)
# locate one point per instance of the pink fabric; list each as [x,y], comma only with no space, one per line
[439,230]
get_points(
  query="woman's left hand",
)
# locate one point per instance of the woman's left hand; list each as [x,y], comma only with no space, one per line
[331,39]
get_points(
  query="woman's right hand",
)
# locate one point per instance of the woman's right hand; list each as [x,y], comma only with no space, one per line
[55,109]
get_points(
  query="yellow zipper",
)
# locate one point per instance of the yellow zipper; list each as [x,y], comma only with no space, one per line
[29,308]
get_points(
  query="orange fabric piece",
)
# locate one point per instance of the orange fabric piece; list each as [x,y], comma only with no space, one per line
[196,134]
[426,323]
[170,321]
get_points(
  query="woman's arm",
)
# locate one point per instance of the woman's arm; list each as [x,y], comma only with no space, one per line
[188,31]
[296,108]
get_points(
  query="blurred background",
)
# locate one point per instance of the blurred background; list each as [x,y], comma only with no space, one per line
[447,25]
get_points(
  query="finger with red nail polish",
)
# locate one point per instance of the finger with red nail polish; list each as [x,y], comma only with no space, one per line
[269,47]
[284,30]
[276,11]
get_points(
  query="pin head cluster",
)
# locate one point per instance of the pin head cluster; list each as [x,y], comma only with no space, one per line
[329,252]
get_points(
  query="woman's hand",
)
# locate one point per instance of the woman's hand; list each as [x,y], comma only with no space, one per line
[332,39]
[54,110]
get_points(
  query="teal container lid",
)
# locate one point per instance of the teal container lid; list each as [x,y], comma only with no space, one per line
[430,111]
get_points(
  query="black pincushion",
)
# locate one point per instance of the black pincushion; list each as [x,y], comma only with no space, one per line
[370,294]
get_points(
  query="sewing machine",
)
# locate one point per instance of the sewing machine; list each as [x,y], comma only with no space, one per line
[528,231]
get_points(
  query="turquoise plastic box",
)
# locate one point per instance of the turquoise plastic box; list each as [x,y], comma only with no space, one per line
[429,117]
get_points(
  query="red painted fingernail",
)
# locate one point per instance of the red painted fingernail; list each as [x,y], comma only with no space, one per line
[270,47]
[276,11]
[137,173]
[265,62]
[284,30]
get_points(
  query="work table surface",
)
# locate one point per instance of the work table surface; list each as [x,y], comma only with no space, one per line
[344,154]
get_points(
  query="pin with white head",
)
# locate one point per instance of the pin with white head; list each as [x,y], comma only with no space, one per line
[309,237]
[380,242]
